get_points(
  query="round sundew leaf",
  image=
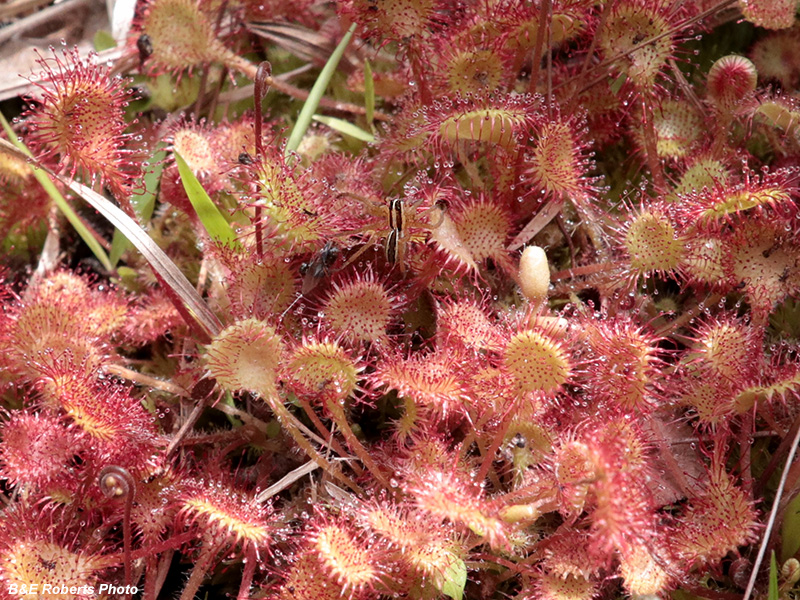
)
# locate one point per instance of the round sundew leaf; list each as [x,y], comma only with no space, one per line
[775,58]
[626,28]
[486,125]
[474,70]
[36,448]
[731,79]
[359,311]
[244,356]
[304,580]
[704,398]
[653,244]
[643,576]
[727,349]
[46,334]
[322,369]
[677,129]
[194,147]
[225,514]
[786,386]
[483,227]
[182,35]
[705,173]
[623,364]
[260,289]
[38,563]
[565,26]
[537,362]
[448,238]
[744,200]
[395,20]
[766,268]
[570,587]
[468,323]
[433,381]
[718,521]
[286,203]
[703,260]
[770,14]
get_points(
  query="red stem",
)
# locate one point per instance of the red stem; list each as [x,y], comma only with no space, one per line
[651,147]
[339,417]
[250,562]
[541,35]
[581,271]
[323,431]
[495,445]
[199,572]
[116,481]
[262,80]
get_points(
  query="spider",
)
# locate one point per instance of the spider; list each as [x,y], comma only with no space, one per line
[396,218]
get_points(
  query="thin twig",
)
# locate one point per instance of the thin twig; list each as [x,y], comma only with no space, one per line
[287,480]
[46,15]
[16,7]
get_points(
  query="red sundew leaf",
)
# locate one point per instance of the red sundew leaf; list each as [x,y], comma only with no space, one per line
[187,301]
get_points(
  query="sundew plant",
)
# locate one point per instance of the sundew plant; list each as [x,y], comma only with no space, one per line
[388,299]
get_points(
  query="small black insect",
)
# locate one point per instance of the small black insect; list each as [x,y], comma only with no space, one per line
[320,267]
[50,565]
[145,46]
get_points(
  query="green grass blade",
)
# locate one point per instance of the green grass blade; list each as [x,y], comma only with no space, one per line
[311,104]
[61,202]
[179,290]
[182,293]
[369,92]
[772,594]
[345,127]
[143,204]
[216,225]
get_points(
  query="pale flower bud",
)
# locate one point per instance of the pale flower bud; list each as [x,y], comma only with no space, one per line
[534,273]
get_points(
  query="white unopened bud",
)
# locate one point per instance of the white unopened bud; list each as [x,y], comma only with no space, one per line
[534,273]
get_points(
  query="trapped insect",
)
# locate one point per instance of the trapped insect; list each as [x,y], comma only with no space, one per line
[319,267]
[397,219]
